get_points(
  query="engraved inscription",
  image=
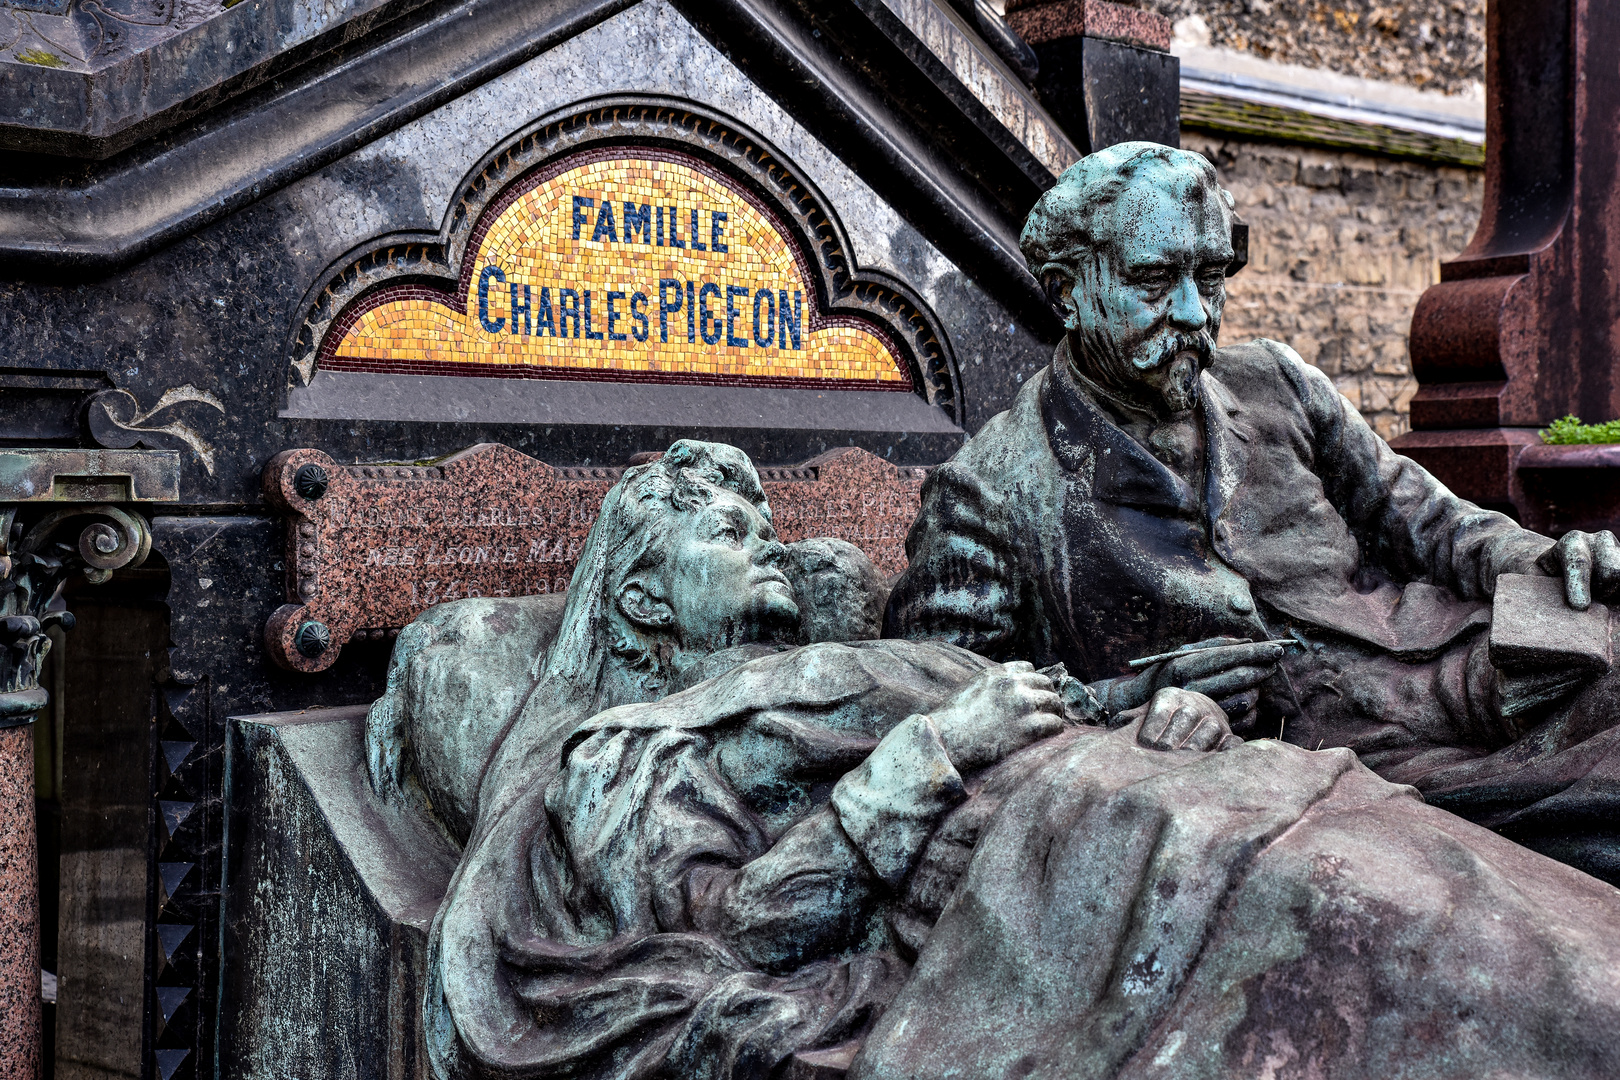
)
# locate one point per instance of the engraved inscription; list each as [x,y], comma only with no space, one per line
[384,543]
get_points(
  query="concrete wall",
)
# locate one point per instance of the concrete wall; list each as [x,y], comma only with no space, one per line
[1341,245]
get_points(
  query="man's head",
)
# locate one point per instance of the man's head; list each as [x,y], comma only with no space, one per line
[1131,247]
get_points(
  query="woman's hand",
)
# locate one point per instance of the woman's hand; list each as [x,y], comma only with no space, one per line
[1182,720]
[1225,669]
[999,712]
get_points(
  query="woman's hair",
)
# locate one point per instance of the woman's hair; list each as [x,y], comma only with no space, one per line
[631,536]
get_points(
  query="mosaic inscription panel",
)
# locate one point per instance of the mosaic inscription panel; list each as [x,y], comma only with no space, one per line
[380,544]
[622,263]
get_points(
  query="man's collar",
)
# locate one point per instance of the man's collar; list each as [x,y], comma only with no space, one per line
[1078,430]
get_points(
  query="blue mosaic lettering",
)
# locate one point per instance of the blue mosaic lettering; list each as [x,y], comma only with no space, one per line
[790,323]
[638,312]
[581,204]
[637,219]
[544,323]
[592,335]
[483,298]
[605,225]
[732,292]
[717,223]
[709,289]
[568,308]
[520,309]
[665,306]
[763,340]
[614,316]
[697,245]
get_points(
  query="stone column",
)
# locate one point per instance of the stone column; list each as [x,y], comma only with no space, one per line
[19,899]
[1521,328]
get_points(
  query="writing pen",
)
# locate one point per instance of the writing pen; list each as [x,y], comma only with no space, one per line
[1158,658]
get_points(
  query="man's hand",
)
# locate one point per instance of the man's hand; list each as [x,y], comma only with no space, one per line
[1002,710]
[1589,563]
[1182,720]
[1231,674]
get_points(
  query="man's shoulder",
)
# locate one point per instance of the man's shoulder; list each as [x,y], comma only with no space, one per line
[1008,438]
[1264,369]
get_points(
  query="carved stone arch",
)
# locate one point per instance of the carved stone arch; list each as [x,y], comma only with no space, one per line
[438,269]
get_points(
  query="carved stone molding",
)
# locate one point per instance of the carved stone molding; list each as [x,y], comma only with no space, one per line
[720,143]
[115,419]
[48,495]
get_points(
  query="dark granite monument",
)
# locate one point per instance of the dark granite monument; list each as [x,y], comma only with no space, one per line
[380,233]
[454,463]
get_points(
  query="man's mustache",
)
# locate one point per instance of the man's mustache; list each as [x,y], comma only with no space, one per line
[1174,344]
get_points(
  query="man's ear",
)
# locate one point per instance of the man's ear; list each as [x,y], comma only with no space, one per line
[1058,285]
[643,608]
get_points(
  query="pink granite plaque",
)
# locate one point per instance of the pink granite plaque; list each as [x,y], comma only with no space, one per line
[370,547]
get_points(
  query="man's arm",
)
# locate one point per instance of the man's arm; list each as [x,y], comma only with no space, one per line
[1407,521]
[958,586]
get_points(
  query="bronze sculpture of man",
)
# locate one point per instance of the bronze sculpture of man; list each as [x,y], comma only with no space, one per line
[1149,489]
[697,850]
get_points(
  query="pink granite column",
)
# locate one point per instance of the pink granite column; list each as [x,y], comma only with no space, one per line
[19,908]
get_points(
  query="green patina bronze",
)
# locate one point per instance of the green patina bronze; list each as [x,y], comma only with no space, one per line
[713,826]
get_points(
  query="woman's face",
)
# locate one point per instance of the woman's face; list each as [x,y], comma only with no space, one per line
[724,579]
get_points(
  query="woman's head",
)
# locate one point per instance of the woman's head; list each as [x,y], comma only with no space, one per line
[681,562]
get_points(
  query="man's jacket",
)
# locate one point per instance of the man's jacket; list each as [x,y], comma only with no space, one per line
[1054,536]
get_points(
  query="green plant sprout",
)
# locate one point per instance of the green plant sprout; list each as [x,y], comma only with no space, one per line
[1569,431]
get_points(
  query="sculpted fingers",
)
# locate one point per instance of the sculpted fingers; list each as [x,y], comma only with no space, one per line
[1182,720]
[1605,565]
[1040,725]
[1239,706]
[1207,732]
[1231,683]
[1571,559]
[1170,721]
[1184,670]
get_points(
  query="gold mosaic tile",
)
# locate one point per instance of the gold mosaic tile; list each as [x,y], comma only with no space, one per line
[528,256]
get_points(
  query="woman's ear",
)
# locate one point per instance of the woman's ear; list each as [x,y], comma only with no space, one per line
[646,610]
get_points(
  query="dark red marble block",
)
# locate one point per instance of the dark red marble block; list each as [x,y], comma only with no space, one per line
[381,543]
[19,908]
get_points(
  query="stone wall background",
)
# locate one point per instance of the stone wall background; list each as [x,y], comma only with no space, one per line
[1434,44]
[1341,245]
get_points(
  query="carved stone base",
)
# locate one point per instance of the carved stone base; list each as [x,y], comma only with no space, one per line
[333,896]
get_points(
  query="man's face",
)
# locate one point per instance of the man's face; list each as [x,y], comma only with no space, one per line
[1148,308]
